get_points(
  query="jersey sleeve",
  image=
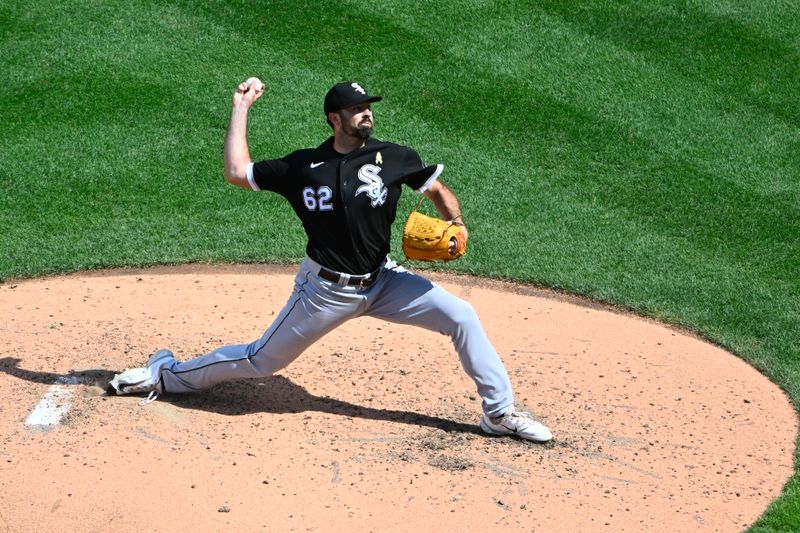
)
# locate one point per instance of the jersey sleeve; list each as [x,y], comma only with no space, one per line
[268,175]
[418,176]
[421,179]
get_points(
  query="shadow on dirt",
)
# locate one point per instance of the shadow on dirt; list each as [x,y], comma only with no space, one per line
[97,377]
[277,394]
[274,394]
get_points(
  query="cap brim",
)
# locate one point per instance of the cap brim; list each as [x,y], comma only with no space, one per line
[370,100]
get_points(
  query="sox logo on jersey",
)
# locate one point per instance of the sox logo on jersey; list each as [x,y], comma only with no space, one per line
[373,184]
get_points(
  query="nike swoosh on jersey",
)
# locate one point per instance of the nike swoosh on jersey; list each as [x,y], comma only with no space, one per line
[315,165]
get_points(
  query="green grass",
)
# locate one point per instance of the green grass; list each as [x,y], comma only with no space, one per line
[643,154]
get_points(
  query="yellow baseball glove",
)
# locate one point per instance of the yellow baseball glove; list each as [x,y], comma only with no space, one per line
[428,239]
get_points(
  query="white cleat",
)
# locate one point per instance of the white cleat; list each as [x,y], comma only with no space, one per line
[516,423]
[140,380]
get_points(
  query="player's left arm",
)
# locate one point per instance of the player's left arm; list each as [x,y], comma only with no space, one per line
[446,203]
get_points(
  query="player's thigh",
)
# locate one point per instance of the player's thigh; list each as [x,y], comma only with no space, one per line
[311,312]
[409,298]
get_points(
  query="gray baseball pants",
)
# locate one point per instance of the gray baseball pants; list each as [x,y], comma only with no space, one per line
[318,306]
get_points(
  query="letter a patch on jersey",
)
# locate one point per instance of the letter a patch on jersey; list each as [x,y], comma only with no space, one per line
[373,184]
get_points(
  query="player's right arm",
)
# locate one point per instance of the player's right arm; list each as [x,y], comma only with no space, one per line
[237,152]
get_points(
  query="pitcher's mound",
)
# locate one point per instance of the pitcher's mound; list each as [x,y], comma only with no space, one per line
[375,427]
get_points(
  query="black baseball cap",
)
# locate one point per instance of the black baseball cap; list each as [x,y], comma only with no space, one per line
[345,94]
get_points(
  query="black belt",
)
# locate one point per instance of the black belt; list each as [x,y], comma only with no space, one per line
[346,279]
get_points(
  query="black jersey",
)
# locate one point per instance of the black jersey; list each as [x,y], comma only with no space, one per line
[346,202]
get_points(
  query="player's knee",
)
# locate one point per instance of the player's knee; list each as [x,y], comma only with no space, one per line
[266,361]
[463,315]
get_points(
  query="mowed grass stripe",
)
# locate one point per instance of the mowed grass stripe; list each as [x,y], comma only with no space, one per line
[484,97]
[727,52]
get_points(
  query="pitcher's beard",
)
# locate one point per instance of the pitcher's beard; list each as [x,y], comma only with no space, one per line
[363,131]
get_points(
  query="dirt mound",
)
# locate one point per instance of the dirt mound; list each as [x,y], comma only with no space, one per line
[375,427]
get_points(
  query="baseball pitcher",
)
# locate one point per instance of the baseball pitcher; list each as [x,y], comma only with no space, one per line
[345,192]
